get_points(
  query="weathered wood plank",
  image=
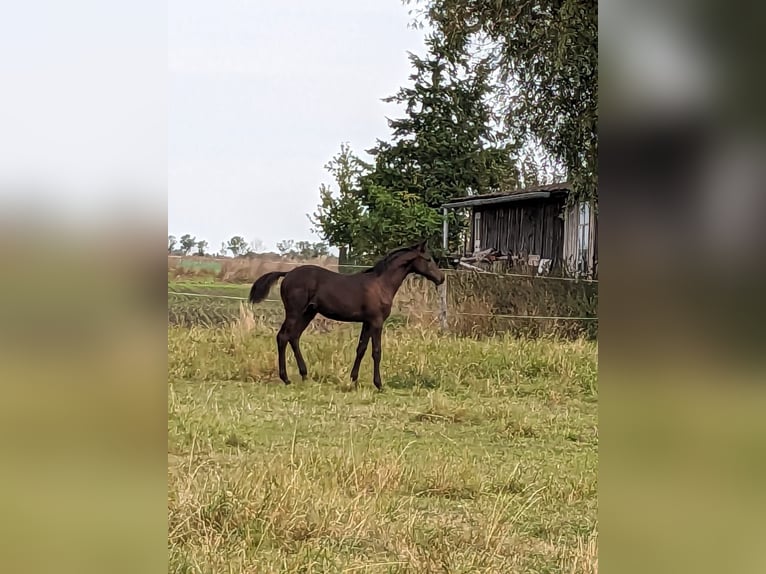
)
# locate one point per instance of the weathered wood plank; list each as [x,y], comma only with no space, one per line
[530,228]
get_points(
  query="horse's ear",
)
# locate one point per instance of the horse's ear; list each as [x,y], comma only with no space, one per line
[422,246]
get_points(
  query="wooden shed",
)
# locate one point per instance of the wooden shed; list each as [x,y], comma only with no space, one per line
[533,226]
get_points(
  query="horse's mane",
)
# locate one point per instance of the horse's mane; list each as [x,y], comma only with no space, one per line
[386,261]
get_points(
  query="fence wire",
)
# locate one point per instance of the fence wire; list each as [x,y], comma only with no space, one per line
[219,305]
[446,270]
[434,311]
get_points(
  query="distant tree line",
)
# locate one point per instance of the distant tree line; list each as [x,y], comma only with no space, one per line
[303,249]
[238,246]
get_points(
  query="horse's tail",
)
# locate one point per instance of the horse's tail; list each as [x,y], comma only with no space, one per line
[263,284]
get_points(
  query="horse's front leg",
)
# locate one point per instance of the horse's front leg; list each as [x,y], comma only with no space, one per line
[376,354]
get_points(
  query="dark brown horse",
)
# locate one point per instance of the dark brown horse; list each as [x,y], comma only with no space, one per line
[363,297]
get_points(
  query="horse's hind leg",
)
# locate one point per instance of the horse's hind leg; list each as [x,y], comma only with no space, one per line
[282,339]
[295,340]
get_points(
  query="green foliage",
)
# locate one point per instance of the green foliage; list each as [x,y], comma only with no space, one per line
[237,245]
[285,247]
[444,148]
[172,242]
[201,246]
[187,243]
[545,55]
[303,249]
[395,219]
[338,214]
[310,250]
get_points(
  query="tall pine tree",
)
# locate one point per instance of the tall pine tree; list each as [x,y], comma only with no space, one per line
[444,148]
[544,54]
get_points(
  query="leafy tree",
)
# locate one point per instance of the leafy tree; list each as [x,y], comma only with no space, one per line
[320,249]
[309,250]
[201,246]
[172,241]
[302,249]
[237,245]
[445,147]
[396,219]
[338,215]
[545,57]
[285,247]
[187,243]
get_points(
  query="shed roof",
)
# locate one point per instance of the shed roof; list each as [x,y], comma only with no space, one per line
[539,191]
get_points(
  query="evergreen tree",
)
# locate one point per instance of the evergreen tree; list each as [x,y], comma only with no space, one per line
[544,56]
[444,148]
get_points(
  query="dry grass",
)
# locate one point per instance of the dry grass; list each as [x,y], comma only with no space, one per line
[480,456]
[479,304]
[493,303]
[470,314]
[247,270]
[239,270]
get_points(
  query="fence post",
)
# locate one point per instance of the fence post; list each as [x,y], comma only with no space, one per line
[443,286]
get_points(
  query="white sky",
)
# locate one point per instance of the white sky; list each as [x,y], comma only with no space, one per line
[261,95]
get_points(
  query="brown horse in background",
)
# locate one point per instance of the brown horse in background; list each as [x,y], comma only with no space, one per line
[363,297]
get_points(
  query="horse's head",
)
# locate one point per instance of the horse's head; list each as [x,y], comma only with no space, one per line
[423,264]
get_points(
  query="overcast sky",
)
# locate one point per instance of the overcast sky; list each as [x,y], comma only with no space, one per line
[261,95]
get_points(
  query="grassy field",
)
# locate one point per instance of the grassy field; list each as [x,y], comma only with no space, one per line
[479,456]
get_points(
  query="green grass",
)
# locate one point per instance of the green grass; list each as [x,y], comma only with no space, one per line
[212,303]
[479,456]
[210,287]
[211,266]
